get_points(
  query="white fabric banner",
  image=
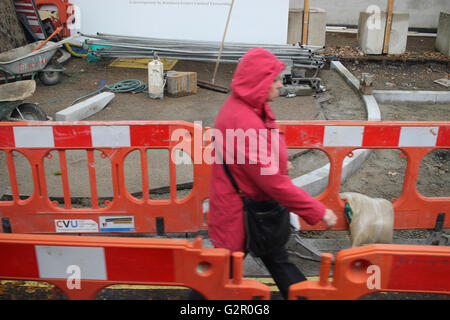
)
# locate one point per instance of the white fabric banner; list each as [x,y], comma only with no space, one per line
[252,21]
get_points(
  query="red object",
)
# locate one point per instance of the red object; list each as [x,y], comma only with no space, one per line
[6,137]
[53,24]
[381,136]
[46,40]
[379,268]
[156,265]
[72,136]
[106,261]
[65,11]
[443,137]
[248,110]
[29,10]
[178,262]
[25,265]
[149,135]
[35,140]
[414,139]
[115,141]
[429,273]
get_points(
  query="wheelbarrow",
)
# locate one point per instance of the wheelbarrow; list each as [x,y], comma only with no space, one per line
[12,107]
[22,62]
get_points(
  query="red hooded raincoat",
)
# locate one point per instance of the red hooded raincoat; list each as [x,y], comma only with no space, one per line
[245,109]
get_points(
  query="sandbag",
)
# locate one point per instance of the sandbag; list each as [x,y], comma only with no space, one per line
[372,220]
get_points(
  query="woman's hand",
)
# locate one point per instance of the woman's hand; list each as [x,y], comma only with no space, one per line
[289,166]
[329,218]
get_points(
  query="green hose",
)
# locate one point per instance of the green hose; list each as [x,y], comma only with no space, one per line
[135,86]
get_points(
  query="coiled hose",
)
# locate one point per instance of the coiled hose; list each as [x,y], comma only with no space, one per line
[135,86]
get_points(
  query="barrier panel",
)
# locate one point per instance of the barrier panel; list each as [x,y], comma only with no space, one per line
[82,266]
[379,268]
[115,140]
[340,139]
[65,13]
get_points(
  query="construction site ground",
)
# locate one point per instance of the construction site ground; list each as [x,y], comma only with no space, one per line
[380,176]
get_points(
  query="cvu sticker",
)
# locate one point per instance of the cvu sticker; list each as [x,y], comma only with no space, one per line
[76,225]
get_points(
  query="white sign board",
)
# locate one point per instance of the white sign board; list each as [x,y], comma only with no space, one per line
[252,21]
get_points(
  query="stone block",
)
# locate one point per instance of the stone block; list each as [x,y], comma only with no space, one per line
[399,33]
[347,75]
[316,29]
[371,31]
[295,26]
[85,108]
[180,84]
[443,34]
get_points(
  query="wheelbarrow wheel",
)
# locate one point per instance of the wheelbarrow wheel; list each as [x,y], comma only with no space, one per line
[29,111]
[50,78]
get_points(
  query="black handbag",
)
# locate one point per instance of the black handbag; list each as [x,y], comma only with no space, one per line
[267,223]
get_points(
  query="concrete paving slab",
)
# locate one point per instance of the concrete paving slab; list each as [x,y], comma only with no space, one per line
[346,74]
[405,96]
[371,32]
[443,33]
[85,108]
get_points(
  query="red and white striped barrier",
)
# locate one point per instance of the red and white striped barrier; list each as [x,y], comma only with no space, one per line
[369,135]
[117,139]
[99,262]
[27,8]
[158,135]
[84,136]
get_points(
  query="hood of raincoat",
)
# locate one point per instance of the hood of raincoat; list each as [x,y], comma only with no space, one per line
[253,78]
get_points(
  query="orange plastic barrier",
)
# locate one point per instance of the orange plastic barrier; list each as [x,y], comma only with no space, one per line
[339,139]
[83,266]
[116,140]
[64,12]
[379,268]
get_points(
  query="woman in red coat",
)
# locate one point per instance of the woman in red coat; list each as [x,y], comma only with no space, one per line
[260,176]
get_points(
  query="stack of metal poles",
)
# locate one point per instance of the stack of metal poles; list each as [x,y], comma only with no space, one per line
[107,46]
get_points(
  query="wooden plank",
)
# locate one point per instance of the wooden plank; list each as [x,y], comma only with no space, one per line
[305,22]
[387,35]
[141,63]
[223,40]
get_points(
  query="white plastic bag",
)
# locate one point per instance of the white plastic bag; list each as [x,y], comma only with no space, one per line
[372,221]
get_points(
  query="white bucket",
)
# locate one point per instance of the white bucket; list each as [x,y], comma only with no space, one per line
[156,79]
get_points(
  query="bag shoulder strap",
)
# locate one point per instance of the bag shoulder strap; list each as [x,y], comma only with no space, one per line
[233,182]
[230,176]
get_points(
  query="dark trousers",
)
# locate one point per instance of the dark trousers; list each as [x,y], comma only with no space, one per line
[283,272]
